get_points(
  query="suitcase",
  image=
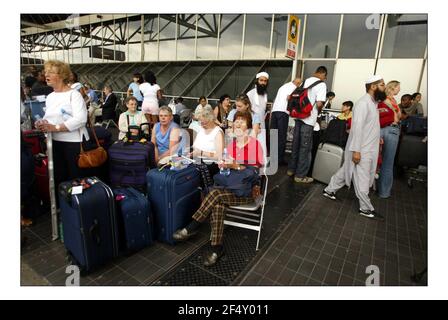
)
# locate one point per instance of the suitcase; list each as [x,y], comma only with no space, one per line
[174,197]
[42,178]
[89,224]
[26,170]
[412,152]
[329,159]
[135,226]
[129,163]
[35,139]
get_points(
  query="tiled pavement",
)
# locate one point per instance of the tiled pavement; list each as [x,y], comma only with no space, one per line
[307,241]
[328,243]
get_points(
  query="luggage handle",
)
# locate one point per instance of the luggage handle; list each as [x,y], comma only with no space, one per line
[95,232]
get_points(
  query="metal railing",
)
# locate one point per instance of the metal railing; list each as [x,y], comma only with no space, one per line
[190,102]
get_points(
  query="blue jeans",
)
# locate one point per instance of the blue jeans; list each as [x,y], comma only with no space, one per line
[302,144]
[390,136]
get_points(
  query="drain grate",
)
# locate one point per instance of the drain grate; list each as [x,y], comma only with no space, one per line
[239,247]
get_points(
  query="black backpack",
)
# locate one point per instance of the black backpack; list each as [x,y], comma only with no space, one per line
[336,133]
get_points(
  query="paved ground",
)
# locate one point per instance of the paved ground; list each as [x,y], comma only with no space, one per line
[328,243]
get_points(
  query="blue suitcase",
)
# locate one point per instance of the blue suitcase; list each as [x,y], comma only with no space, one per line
[134,219]
[89,224]
[129,163]
[174,197]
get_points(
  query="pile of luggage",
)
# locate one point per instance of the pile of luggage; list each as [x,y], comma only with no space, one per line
[136,203]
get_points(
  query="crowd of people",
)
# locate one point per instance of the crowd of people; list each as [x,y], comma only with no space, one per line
[238,132]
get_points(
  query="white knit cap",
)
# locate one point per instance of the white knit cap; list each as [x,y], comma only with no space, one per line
[262,74]
[373,79]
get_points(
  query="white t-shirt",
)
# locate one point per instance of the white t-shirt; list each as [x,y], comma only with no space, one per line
[206,142]
[150,92]
[75,115]
[317,93]
[281,100]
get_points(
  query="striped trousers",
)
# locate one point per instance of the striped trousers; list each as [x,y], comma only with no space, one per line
[214,206]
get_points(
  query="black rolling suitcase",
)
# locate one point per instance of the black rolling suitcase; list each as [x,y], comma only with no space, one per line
[89,223]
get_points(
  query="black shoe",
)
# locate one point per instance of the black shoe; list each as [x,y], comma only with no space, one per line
[371,214]
[329,195]
[183,234]
[213,257]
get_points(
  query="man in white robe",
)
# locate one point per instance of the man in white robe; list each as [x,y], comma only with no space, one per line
[361,151]
[258,99]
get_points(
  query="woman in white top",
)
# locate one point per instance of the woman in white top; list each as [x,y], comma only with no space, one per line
[66,117]
[151,95]
[136,118]
[209,142]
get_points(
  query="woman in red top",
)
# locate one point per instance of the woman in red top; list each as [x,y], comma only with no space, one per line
[390,135]
[243,151]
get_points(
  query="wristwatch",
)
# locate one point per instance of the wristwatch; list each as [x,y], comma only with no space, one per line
[57,127]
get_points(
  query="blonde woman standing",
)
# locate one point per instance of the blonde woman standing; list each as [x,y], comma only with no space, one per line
[390,136]
[66,117]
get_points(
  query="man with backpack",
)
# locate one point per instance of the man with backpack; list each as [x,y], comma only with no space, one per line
[304,105]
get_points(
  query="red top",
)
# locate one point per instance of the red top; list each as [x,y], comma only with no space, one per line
[250,155]
[394,103]
[387,115]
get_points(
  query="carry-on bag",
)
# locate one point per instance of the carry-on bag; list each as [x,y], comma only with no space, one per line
[135,225]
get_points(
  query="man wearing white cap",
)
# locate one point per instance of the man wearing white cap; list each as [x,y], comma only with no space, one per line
[361,151]
[258,98]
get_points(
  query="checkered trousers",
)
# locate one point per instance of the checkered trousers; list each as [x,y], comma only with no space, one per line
[214,206]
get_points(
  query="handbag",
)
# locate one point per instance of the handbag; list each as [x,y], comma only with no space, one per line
[92,158]
[238,182]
